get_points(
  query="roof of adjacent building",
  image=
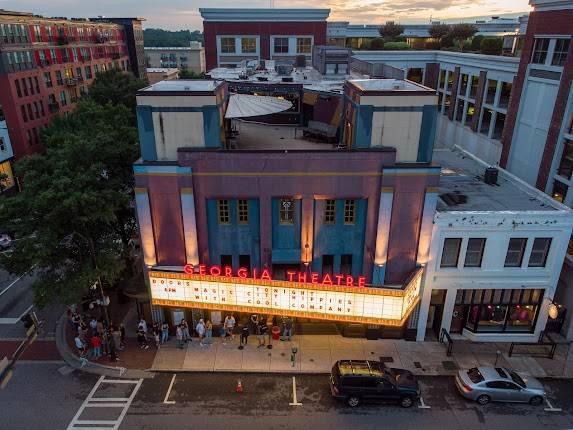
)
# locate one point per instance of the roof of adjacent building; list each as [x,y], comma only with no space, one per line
[181,85]
[162,70]
[259,14]
[463,175]
[193,47]
[383,85]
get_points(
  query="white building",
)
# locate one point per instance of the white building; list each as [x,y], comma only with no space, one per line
[190,58]
[495,255]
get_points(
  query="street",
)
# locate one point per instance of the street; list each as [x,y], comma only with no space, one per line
[44,395]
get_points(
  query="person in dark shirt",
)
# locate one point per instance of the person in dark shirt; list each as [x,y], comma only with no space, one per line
[245,334]
[262,332]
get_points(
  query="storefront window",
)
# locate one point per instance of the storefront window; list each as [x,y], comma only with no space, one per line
[496,310]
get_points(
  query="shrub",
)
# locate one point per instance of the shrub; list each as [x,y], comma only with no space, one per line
[396,46]
[491,46]
[391,30]
[377,44]
[432,44]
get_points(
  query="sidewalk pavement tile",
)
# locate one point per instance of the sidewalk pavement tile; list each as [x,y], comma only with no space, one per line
[347,354]
[200,358]
[315,360]
[310,341]
[228,359]
[256,358]
[346,343]
[169,358]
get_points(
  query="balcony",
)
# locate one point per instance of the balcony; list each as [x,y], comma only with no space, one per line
[101,39]
[63,40]
[115,55]
[53,107]
[71,82]
[44,63]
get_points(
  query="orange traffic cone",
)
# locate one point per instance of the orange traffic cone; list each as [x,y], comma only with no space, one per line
[239,388]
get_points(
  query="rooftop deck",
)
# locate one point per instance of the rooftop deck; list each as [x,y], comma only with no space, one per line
[464,175]
[252,135]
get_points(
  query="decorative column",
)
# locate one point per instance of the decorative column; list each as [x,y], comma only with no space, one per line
[480,97]
[382,235]
[145,226]
[306,230]
[189,226]
[454,93]
[426,227]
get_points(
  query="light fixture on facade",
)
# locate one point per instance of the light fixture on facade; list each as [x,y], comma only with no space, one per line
[553,311]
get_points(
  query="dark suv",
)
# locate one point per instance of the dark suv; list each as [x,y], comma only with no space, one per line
[357,381]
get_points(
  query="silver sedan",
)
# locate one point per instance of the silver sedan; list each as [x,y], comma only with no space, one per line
[486,384]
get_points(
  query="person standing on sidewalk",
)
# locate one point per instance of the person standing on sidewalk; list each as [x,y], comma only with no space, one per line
[164,332]
[262,332]
[116,335]
[93,326]
[245,335]
[96,345]
[185,329]
[230,326]
[80,346]
[209,332]
[200,329]
[287,328]
[179,335]
[122,336]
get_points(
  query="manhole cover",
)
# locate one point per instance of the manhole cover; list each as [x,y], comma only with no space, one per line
[418,364]
[283,354]
[449,365]
[312,360]
[386,359]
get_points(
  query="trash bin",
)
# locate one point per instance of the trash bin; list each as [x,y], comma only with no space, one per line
[276,332]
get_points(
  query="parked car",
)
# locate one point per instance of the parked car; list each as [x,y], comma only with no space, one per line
[498,384]
[5,241]
[357,381]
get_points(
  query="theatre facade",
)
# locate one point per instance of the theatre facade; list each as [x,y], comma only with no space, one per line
[280,225]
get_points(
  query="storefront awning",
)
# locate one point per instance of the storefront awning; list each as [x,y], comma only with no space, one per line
[245,105]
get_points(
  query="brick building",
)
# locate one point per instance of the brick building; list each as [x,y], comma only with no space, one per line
[46,64]
[233,35]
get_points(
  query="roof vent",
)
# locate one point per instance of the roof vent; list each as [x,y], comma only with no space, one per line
[397,85]
[454,199]
[287,79]
[262,78]
[490,177]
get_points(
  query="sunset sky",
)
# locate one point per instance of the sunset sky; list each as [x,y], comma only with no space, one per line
[183,14]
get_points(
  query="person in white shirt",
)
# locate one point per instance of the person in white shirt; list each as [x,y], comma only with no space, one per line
[200,329]
[230,326]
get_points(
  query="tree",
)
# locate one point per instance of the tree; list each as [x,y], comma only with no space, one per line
[491,46]
[396,46]
[447,41]
[476,42]
[437,31]
[377,44]
[117,88]
[186,74]
[391,30]
[74,216]
[164,38]
[462,32]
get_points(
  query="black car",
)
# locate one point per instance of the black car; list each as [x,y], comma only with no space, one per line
[357,381]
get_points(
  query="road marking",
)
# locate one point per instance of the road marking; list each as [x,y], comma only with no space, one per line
[15,281]
[103,402]
[423,405]
[551,408]
[294,400]
[170,402]
[9,321]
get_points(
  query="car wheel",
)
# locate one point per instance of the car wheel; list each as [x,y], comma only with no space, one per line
[353,401]
[406,402]
[536,400]
[483,399]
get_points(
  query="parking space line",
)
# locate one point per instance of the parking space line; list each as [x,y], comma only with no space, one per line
[294,399]
[166,401]
[551,408]
[423,405]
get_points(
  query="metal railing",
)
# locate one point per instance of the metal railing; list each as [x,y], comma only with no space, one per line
[534,349]
[445,338]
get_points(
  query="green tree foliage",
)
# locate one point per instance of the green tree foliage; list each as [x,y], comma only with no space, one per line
[186,74]
[491,46]
[461,32]
[476,43]
[396,46]
[447,41]
[391,30]
[117,88]
[437,31]
[377,44]
[74,216]
[161,38]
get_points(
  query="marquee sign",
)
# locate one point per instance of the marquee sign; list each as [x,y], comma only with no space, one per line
[370,305]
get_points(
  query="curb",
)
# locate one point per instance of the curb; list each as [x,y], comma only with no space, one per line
[87,366]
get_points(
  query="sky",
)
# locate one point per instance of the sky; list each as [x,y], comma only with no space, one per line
[184,14]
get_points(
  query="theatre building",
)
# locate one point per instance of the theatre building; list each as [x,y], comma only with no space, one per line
[241,217]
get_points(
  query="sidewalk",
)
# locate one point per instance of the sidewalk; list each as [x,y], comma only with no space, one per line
[318,353]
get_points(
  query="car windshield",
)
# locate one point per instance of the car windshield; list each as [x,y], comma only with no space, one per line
[517,379]
[475,375]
